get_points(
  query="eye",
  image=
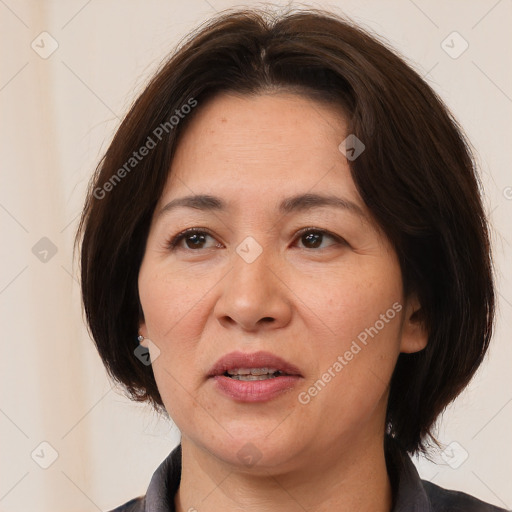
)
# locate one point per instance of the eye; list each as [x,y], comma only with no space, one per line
[194,238]
[312,238]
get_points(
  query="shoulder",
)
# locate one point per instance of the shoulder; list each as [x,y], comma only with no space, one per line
[134,505]
[445,500]
[418,495]
[162,487]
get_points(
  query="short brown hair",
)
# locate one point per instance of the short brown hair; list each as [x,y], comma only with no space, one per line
[416,175]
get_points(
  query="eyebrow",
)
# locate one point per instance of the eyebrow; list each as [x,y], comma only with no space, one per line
[298,203]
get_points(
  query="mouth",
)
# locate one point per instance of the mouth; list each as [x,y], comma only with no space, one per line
[257,377]
[251,367]
[249,374]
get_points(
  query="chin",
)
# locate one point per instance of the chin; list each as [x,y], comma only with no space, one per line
[256,451]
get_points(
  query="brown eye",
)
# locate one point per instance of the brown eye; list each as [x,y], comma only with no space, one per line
[313,238]
[193,238]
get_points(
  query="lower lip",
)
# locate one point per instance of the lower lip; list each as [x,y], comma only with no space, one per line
[255,390]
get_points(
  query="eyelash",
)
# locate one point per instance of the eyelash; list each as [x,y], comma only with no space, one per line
[174,241]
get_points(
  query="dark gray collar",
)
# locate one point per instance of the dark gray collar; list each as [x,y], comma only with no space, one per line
[409,493]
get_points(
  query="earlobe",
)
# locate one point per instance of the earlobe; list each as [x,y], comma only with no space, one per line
[414,330]
[142,331]
[141,337]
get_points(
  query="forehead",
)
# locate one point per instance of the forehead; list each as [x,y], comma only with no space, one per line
[261,145]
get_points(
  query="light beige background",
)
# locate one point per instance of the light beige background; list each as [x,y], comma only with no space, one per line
[57,117]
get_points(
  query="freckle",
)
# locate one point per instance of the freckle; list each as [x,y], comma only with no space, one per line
[223,120]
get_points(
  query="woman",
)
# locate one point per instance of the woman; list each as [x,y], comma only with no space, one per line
[284,249]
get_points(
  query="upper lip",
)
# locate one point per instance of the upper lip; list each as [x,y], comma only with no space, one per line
[237,360]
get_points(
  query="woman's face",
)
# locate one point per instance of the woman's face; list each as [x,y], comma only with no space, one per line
[327,300]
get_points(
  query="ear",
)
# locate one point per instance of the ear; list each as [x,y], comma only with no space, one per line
[414,330]
[144,332]
[142,327]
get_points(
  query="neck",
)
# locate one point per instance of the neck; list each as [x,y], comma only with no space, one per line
[344,480]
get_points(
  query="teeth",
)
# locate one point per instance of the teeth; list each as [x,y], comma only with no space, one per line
[252,371]
[254,377]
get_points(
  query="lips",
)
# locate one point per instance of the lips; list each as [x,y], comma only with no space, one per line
[240,360]
[272,377]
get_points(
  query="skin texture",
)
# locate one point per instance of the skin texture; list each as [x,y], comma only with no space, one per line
[301,300]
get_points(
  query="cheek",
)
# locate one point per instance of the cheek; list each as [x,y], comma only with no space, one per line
[176,305]
[345,302]
[170,299]
[354,326]
[172,306]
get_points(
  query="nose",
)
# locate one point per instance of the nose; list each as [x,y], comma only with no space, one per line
[254,296]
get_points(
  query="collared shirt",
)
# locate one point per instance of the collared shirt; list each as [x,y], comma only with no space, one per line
[410,493]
